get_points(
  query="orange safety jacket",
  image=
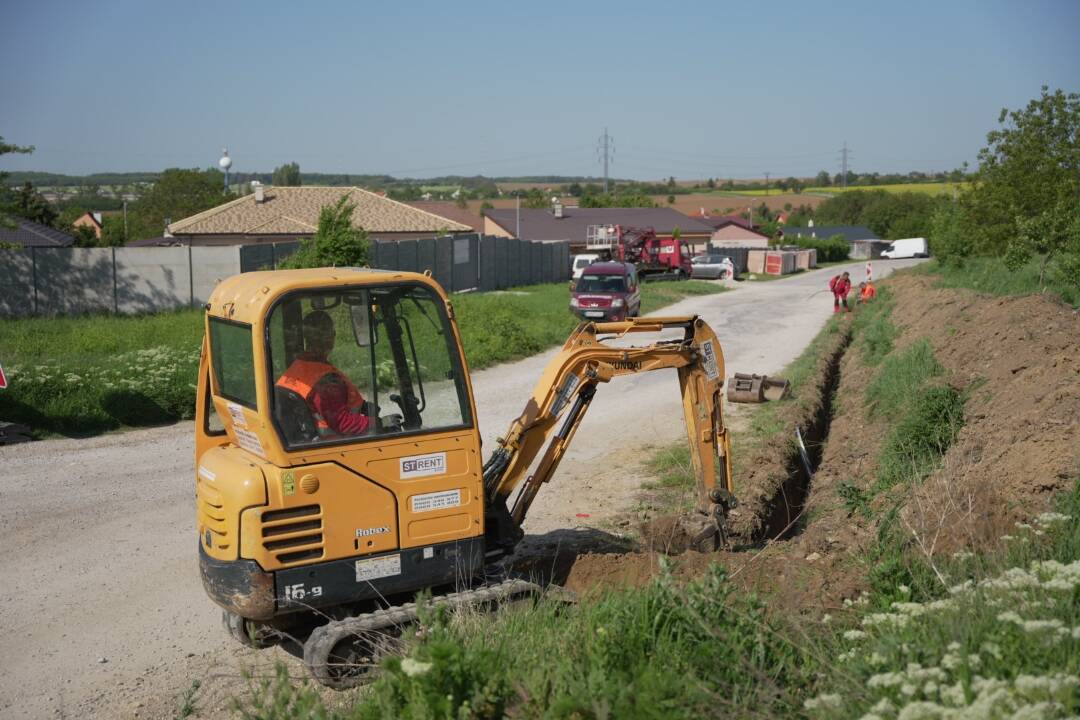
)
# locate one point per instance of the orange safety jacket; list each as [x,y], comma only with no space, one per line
[303,376]
[867,293]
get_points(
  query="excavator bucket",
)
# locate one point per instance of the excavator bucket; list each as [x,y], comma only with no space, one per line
[748,388]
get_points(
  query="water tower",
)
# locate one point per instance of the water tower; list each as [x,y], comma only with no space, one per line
[225,163]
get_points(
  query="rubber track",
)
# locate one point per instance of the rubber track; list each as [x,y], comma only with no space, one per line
[323,639]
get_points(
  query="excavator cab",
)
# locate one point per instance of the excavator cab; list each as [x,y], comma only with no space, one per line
[338,463]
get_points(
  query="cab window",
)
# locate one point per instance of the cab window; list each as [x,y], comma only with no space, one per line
[602,284]
[356,363]
[233,361]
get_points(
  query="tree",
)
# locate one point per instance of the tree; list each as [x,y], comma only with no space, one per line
[336,243]
[711,184]
[84,235]
[32,205]
[177,194]
[823,179]
[1055,235]
[287,175]
[5,201]
[670,199]
[1029,168]
[574,189]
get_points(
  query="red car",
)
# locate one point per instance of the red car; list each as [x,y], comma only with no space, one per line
[606,291]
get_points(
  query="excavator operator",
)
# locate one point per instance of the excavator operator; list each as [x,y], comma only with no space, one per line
[336,404]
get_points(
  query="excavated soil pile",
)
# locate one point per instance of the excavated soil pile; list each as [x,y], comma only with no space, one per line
[1015,360]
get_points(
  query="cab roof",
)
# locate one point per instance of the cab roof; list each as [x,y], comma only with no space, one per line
[245,297]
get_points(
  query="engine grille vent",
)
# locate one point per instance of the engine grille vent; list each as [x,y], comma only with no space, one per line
[293,535]
[211,510]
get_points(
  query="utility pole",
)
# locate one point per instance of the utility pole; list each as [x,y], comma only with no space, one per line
[517,231]
[125,222]
[606,149]
[767,174]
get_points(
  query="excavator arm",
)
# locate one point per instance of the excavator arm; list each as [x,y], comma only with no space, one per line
[539,437]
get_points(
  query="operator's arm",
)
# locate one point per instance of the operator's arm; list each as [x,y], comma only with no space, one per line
[331,401]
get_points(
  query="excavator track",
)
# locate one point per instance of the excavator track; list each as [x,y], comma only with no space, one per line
[344,653]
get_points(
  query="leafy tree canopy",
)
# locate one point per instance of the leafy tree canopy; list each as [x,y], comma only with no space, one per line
[287,175]
[176,195]
[336,243]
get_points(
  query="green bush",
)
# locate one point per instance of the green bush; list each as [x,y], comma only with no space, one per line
[833,249]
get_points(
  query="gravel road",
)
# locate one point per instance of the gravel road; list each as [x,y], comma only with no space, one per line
[104,614]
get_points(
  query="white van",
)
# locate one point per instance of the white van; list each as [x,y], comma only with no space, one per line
[907,248]
[583,261]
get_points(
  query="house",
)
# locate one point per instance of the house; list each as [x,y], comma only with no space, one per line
[27,233]
[851,233]
[734,231]
[571,224]
[91,220]
[280,214]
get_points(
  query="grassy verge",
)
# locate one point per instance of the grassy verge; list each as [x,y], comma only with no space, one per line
[990,275]
[87,375]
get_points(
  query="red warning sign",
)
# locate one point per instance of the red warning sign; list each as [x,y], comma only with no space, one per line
[3,378]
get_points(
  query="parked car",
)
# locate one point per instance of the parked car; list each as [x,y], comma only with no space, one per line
[581,262]
[606,291]
[712,266]
[907,248]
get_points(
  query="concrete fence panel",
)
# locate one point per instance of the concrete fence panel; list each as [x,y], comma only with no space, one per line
[384,255]
[537,263]
[152,278]
[410,255]
[75,281]
[519,262]
[209,266]
[16,282]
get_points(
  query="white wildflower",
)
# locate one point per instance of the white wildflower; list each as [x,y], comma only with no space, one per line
[1050,519]
[414,668]
[885,680]
[921,711]
[828,701]
[908,689]
[854,635]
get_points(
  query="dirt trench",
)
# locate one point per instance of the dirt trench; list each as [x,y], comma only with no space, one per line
[773,494]
[798,537]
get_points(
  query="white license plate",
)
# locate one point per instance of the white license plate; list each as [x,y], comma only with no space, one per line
[593,313]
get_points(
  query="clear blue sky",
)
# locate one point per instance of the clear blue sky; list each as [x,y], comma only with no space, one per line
[694,89]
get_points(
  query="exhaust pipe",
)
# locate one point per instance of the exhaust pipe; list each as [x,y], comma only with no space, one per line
[748,388]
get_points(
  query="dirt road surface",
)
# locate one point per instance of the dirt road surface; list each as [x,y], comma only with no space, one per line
[104,613]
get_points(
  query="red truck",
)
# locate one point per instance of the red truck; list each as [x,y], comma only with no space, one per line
[651,254]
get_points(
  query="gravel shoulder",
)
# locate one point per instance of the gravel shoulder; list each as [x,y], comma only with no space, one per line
[105,615]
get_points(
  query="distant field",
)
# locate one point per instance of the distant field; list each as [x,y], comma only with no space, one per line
[926,188]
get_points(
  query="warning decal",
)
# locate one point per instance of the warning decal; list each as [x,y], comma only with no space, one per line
[380,567]
[708,356]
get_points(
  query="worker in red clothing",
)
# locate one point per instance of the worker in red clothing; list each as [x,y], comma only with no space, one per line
[867,292]
[337,405]
[840,286]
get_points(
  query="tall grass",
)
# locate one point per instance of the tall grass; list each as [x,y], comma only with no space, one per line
[662,651]
[990,275]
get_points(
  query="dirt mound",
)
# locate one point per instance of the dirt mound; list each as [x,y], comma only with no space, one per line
[598,572]
[1016,357]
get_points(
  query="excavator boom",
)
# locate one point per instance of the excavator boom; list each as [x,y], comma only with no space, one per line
[547,425]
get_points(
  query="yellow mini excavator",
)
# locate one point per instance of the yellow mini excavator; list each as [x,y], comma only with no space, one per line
[338,467]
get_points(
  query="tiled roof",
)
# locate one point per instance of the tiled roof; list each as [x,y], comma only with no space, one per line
[295,211]
[27,233]
[446,209]
[543,225]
